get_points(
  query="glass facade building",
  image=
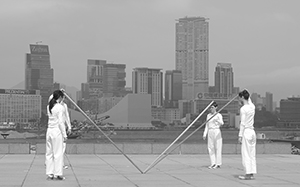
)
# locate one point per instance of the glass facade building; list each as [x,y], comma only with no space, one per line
[173,88]
[114,80]
[38,73]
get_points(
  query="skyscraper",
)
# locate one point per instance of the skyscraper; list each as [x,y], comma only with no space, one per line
[105,79]
[95,77]
[114,80]
[192,55]
[269,102]
[173,88]
[224,78]
[38,72]
[148,81]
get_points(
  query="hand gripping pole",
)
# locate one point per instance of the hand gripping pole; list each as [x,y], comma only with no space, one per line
[164,156]
[178,137]
[87,117]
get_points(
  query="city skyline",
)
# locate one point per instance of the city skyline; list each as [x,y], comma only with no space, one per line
[260,42]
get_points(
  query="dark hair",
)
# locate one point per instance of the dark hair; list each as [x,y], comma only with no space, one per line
[214,104]
[244,94]
[56,95]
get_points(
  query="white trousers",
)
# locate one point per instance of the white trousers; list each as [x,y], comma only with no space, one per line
[64,151]
[248,151]
[54,152]
[214,145]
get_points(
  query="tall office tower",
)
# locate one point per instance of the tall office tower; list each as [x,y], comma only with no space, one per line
[148,81]
[95,77]
[269,102]
[173,88]
[192,55]
[114,80]
[38,73]
[85,91]
[224,78]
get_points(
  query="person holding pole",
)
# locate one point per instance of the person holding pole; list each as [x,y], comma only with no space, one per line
[214,138]
[66,122]
[247,136]
[55,136]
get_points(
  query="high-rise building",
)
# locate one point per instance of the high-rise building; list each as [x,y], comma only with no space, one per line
[114,80]
[192,55]
[224,78]
[38,72]
[269,102]
[95,77]
[105,79]
[85,91]
[290,112]
[148,81]
[173,88]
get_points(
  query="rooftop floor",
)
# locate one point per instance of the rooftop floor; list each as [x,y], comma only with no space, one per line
[175,170]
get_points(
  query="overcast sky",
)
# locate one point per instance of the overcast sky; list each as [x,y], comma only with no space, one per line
[259,37]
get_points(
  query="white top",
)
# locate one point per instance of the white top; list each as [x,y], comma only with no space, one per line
[213,123]
[247,113]
[66,115]
[56,119]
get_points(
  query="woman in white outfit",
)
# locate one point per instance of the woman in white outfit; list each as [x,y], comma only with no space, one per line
[214,138]
[247,136]
[56,135]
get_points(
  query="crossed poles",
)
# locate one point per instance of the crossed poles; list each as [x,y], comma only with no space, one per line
[164,154]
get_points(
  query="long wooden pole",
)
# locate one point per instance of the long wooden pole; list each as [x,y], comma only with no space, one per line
[164,156]
[178,137]
[87,117]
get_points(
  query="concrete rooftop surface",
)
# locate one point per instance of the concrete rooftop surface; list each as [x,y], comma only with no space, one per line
[114,170]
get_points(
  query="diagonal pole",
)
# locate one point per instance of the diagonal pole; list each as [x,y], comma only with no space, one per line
[87,117]
[164,156]
[179,136]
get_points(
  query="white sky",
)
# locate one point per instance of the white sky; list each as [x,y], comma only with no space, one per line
[259,37]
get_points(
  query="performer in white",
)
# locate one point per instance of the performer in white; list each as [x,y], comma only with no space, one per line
[247,136]
[214,139]
[66,123]
[55,136]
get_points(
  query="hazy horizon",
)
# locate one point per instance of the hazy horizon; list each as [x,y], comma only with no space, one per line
[259,38]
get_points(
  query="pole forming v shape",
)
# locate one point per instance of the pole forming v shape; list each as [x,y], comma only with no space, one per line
[87,117]
[163,154]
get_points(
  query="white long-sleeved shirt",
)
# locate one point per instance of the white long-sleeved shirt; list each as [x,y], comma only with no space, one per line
[247,113]
[66,115]
[56,118]
[213,123]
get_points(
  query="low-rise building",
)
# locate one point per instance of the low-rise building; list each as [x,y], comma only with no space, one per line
[20,106]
